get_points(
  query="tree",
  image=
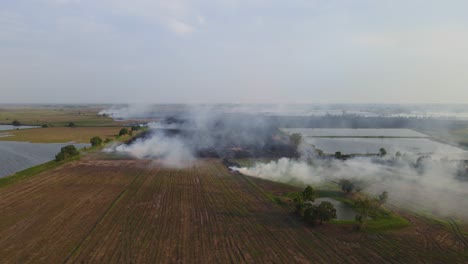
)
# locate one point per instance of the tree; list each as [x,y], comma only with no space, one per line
[304,199]
[136,128]
[16,123]
[96,141]
[323,212]
[45,125]
[308,194]
[66,153]
[338,155]
[347,186]
[364,207]
[299,204]
[123,131]
[295,139]
[71,124]
[383,152]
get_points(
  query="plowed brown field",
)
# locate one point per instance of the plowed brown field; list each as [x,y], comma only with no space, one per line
[134,211]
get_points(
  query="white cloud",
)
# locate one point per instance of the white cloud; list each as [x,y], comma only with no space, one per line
[178,26]
[180,17]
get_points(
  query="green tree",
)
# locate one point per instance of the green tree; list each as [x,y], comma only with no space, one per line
[16,123]
[295,139]
[123,131]
[338,155]
[96,141]
[299,204]
[66,153]
[323,212]
[347,186]
[365,207]
[71,124]
[304,199]
[382,152]
[136,128]
[308,194]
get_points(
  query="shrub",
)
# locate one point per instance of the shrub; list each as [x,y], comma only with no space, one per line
[67,152]
[96,141]
[71,124]
[123,131]
[45,125]
[323,212]
[295,139]
[16,123]
[382,152]
[346,185]
[136,128]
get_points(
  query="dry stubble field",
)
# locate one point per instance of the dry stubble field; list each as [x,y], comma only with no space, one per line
[98,210]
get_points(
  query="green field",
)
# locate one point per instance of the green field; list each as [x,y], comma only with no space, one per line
[60,134]
[55,115]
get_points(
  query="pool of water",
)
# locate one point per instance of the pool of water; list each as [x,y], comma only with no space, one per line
[10,127]
[344,212]
[354,132]
[392,145]
[16,156]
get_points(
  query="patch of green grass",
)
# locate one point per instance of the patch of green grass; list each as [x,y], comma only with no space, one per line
[389,222]
[61,134]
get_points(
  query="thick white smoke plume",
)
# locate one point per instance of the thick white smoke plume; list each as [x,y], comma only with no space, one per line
[432,185]
[438,184]
[127,112]
[172,152]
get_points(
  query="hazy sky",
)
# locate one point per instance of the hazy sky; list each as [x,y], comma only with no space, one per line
[236,51]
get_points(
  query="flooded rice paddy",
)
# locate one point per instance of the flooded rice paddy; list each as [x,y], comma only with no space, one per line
[11,127]
[16,156]
[368,141]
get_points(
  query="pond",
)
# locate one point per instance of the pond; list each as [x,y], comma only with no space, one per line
[344,212]
[392,145]
[16,156]
[10,127]
[354,132]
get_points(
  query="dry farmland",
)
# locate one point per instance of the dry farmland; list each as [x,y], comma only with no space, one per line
[99,210]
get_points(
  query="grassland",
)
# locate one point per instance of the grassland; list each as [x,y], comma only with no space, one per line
[100,210]
[60,134]
[56,115]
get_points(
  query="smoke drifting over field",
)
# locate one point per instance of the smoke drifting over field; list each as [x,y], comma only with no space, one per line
[201,132]
[437,183]
[172,152]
